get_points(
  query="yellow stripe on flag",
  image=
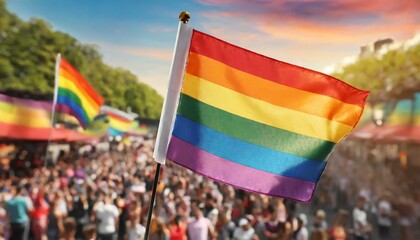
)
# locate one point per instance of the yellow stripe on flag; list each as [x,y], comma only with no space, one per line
[69,85]
[82,91]
[263,112]
[25,120]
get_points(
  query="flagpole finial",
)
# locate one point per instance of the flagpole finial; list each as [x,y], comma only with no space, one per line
[184,17]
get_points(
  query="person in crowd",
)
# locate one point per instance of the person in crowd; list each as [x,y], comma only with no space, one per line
[177,229]
[55,221]
[362,229]
[224,226]
[135,229]
[80,212]
[237,210]
[122,205]
[318,234]
[384,217]
[340,224]
[273,227]
[70,227]
[406,220]
[199,227]
[281,210]
[3,219]
[107,217]
[158,230]
[89,232]
[319,221]
[337,233]
[39,215]
[18,209]
[301,232]
[244,231]
[187,204]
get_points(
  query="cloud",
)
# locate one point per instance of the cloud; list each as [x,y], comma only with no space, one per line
[310,33]
[311,23]
[158,54]
[318,9]
[322,21]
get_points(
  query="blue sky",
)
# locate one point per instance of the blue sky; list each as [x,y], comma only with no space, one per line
[139,35]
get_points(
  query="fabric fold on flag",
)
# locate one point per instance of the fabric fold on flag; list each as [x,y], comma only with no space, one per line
[256,123]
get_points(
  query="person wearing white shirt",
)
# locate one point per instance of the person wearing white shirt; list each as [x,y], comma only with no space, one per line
[302,232]
[244,231]
[199,228]
[384,218]
[361,226]
[107,216]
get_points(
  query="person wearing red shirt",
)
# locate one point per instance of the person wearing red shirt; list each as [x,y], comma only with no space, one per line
[177,229]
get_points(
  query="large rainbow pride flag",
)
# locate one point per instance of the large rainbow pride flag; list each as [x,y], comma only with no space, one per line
[257,123]
[75,92]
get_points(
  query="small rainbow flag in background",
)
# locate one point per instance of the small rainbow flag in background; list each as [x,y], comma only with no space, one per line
[76,92]
[257,123]
[119,122]
[118,125]
[406,112]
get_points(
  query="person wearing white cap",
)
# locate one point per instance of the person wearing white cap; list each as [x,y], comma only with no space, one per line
[319,221]
[244,231]
[301,232]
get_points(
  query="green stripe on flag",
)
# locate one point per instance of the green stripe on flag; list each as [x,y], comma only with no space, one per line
[75,99]
[253,132]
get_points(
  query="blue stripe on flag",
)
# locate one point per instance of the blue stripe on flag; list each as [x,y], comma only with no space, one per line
[247,154]
[114,132]
[76,108]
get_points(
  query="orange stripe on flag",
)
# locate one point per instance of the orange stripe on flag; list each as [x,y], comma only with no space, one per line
[271,92]
[82,81]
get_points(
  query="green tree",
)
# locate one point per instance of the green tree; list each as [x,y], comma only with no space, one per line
[388,74]
[27,62]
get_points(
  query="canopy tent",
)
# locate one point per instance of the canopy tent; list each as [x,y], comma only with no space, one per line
[28,119]
[11,131]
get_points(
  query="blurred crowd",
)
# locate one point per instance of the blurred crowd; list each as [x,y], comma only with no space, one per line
[106,195]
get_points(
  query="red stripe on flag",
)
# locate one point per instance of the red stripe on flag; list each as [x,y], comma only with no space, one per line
[274,70]
[118,117]
[82,81]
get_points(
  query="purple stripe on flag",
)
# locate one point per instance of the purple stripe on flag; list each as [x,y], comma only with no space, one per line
[221,170]
[46,105]
[61,108]
[26,102]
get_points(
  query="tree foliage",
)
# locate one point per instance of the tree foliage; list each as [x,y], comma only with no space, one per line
[385,75]
[27,60]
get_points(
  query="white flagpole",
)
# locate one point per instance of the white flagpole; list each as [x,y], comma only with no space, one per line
[176,74]
[57,72]
[170,104]
[54,103]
